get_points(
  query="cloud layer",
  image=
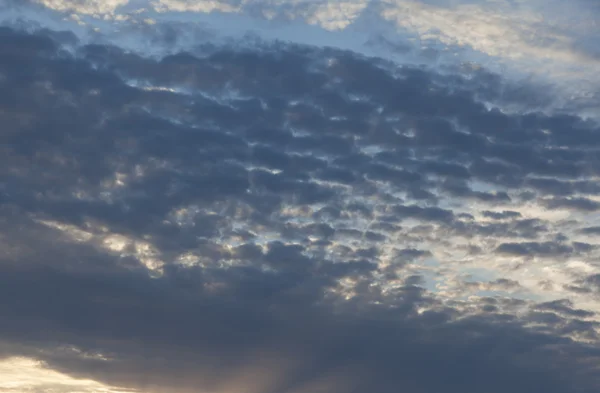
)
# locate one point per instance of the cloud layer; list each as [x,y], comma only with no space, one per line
[182,211]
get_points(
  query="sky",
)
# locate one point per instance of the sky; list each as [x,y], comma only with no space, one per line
[272,196]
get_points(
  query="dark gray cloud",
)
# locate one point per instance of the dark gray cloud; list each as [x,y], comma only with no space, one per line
[179,331]
[583,204]
[565,307]
[289,173]
[590,230]
[548,249]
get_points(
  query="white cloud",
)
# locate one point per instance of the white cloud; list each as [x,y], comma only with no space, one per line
[336,15]
[205,6]
[18,375]
[122,245]
[506,32]
[86,7]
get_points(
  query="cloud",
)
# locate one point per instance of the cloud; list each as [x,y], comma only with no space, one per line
[488,29]
[564,307]
[583,204]
[533,248]
[591,230]
[22,374]
[523,36]
[280,217]
[501,215]
[89,7]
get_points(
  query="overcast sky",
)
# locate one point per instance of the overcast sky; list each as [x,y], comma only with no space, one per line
[271,196]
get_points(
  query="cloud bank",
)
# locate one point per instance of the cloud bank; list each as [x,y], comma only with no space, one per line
[184,210]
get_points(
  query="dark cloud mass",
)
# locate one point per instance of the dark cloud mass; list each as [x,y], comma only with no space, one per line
[272,218]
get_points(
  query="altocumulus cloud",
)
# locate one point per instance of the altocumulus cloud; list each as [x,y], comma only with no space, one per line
[187,211]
